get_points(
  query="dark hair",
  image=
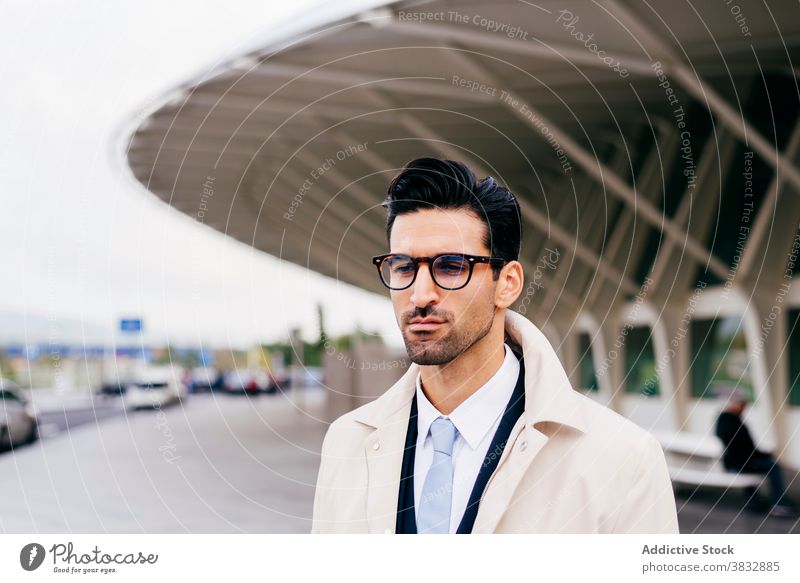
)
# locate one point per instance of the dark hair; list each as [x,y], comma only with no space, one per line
[429,183]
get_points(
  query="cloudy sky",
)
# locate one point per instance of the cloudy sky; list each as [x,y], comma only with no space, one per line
[79,246]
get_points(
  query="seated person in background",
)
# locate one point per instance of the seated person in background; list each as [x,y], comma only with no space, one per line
[741,454]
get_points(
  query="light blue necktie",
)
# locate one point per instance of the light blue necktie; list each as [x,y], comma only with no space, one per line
[437,492]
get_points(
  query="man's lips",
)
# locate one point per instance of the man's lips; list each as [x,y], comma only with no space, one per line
[423,325]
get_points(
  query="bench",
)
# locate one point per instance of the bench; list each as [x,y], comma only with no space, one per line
[696,460]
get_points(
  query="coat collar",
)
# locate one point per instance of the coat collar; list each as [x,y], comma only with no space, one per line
[549,397]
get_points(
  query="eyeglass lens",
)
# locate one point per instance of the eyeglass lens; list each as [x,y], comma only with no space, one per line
[449,271]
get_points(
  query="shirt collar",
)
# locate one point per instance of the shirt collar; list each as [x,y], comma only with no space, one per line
[474,417]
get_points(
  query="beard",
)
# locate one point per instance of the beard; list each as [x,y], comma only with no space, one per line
[453,344]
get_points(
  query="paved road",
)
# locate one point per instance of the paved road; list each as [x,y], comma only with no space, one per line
[714,511]
[56,421]
[217,464]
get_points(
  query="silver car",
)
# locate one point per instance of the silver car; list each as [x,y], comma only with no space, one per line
[17,419]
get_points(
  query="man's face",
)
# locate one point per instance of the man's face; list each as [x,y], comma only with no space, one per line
[458,318]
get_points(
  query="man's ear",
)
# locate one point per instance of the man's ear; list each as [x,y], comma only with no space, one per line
[509,284]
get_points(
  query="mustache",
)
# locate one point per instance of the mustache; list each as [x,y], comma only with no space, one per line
[426,313]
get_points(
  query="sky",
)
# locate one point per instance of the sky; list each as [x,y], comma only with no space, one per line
[80,246]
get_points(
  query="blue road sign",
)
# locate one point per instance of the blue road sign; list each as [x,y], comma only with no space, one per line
[130,325]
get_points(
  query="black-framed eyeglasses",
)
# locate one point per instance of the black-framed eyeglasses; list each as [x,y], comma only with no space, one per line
[449,271]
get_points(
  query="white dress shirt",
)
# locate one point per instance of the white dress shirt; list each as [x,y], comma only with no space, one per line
[476,420]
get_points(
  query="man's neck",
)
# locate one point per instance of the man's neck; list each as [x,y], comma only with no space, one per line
[448,385]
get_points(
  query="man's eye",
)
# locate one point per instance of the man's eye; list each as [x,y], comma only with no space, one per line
[402,268]
[452,267]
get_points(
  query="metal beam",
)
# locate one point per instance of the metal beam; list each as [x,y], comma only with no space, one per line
[647,210]
[661,156]
[769,206]
[594,281]
[707,183]
[704,93]
[563,272]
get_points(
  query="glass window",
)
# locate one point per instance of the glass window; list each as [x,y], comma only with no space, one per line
[719,357]
[152,385]
[586,375]
[640,362]
[794,356]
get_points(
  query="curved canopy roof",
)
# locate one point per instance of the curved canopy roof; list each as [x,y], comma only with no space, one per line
[624,128]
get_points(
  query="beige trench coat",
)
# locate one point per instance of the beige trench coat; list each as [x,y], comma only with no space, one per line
[570,464]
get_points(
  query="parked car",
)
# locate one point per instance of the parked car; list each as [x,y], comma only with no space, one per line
[248,382]
[272,384]
[279,381]
[17,419]
[155,388]
[151,394]
[205,379]
[113,388]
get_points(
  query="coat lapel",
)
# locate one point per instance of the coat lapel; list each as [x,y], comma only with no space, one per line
[523,445]
[384,466]
[384,448]
[550,402]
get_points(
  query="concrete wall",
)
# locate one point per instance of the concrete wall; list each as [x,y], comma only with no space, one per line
[355,377]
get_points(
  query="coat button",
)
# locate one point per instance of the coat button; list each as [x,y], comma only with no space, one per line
[376,446]
[523,446]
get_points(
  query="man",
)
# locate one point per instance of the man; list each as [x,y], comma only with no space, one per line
[484,432]
[741,455]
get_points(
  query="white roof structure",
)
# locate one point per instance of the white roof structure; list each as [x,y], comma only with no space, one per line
[616,123]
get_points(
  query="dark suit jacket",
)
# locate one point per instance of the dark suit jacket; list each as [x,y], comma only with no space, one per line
[739,447]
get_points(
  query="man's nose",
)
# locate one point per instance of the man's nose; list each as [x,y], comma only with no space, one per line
[424,289]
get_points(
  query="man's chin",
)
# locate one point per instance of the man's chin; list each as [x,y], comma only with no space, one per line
[427,352]
[425,359]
